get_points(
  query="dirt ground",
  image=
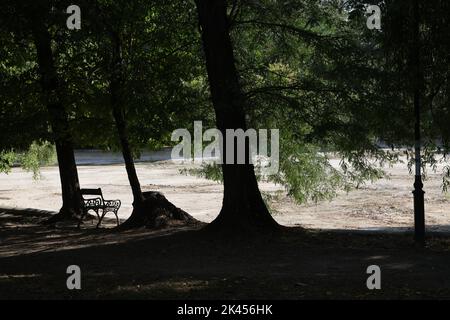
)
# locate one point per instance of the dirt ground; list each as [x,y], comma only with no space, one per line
[386,204]
[188,264]
[314,258]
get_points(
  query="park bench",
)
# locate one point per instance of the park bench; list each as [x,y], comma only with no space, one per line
[96,202]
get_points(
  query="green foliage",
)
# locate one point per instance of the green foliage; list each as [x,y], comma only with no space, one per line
[307,70]
[38,154]
[210,171]
[7,159]
[307,174]
[311,68]
[162,78]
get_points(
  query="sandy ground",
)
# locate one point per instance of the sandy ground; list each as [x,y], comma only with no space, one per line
[187,263]
[385,204]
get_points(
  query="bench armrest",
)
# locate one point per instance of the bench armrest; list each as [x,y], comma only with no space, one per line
[113,204]
[92,203]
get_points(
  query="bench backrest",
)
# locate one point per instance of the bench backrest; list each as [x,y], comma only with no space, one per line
[92,192]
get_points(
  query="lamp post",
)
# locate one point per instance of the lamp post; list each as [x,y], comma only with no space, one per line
[419,207]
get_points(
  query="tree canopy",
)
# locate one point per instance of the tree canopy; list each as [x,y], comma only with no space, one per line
[311,68]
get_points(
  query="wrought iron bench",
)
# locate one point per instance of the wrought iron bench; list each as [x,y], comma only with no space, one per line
[98,203]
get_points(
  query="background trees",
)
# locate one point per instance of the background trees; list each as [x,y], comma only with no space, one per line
[32,24]
[305,68]
[136,71]
[123,77]
[412,41]
[138,62]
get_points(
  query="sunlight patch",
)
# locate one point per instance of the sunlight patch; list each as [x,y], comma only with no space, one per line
[18,276]
[178,286]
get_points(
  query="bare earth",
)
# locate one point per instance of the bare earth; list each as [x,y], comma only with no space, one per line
[385,204]
[186,263]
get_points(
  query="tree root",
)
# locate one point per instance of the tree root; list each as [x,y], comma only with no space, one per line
[242,225]
[62,216]
[156,212]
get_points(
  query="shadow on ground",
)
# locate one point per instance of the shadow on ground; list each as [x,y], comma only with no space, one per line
[187,264]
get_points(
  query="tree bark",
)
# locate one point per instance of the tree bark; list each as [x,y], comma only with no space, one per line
[150,209]
[116,84]
[71,195]
[243,208]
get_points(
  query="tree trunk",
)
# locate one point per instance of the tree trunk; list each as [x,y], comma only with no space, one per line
[71,195]
[116,83]
[150,209]
[243,208]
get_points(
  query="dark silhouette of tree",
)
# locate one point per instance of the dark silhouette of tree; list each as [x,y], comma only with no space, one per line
[36,19]
[68,172]
[243,208]
[117,104]
[150,209]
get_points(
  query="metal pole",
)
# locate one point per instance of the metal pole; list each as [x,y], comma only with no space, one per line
[419,207]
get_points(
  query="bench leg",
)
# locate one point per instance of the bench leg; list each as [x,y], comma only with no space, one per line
[103,215]
[100,218]
[98,215]
[117,217]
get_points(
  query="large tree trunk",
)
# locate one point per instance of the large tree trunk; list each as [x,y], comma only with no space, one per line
[243,208]
[71,195]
